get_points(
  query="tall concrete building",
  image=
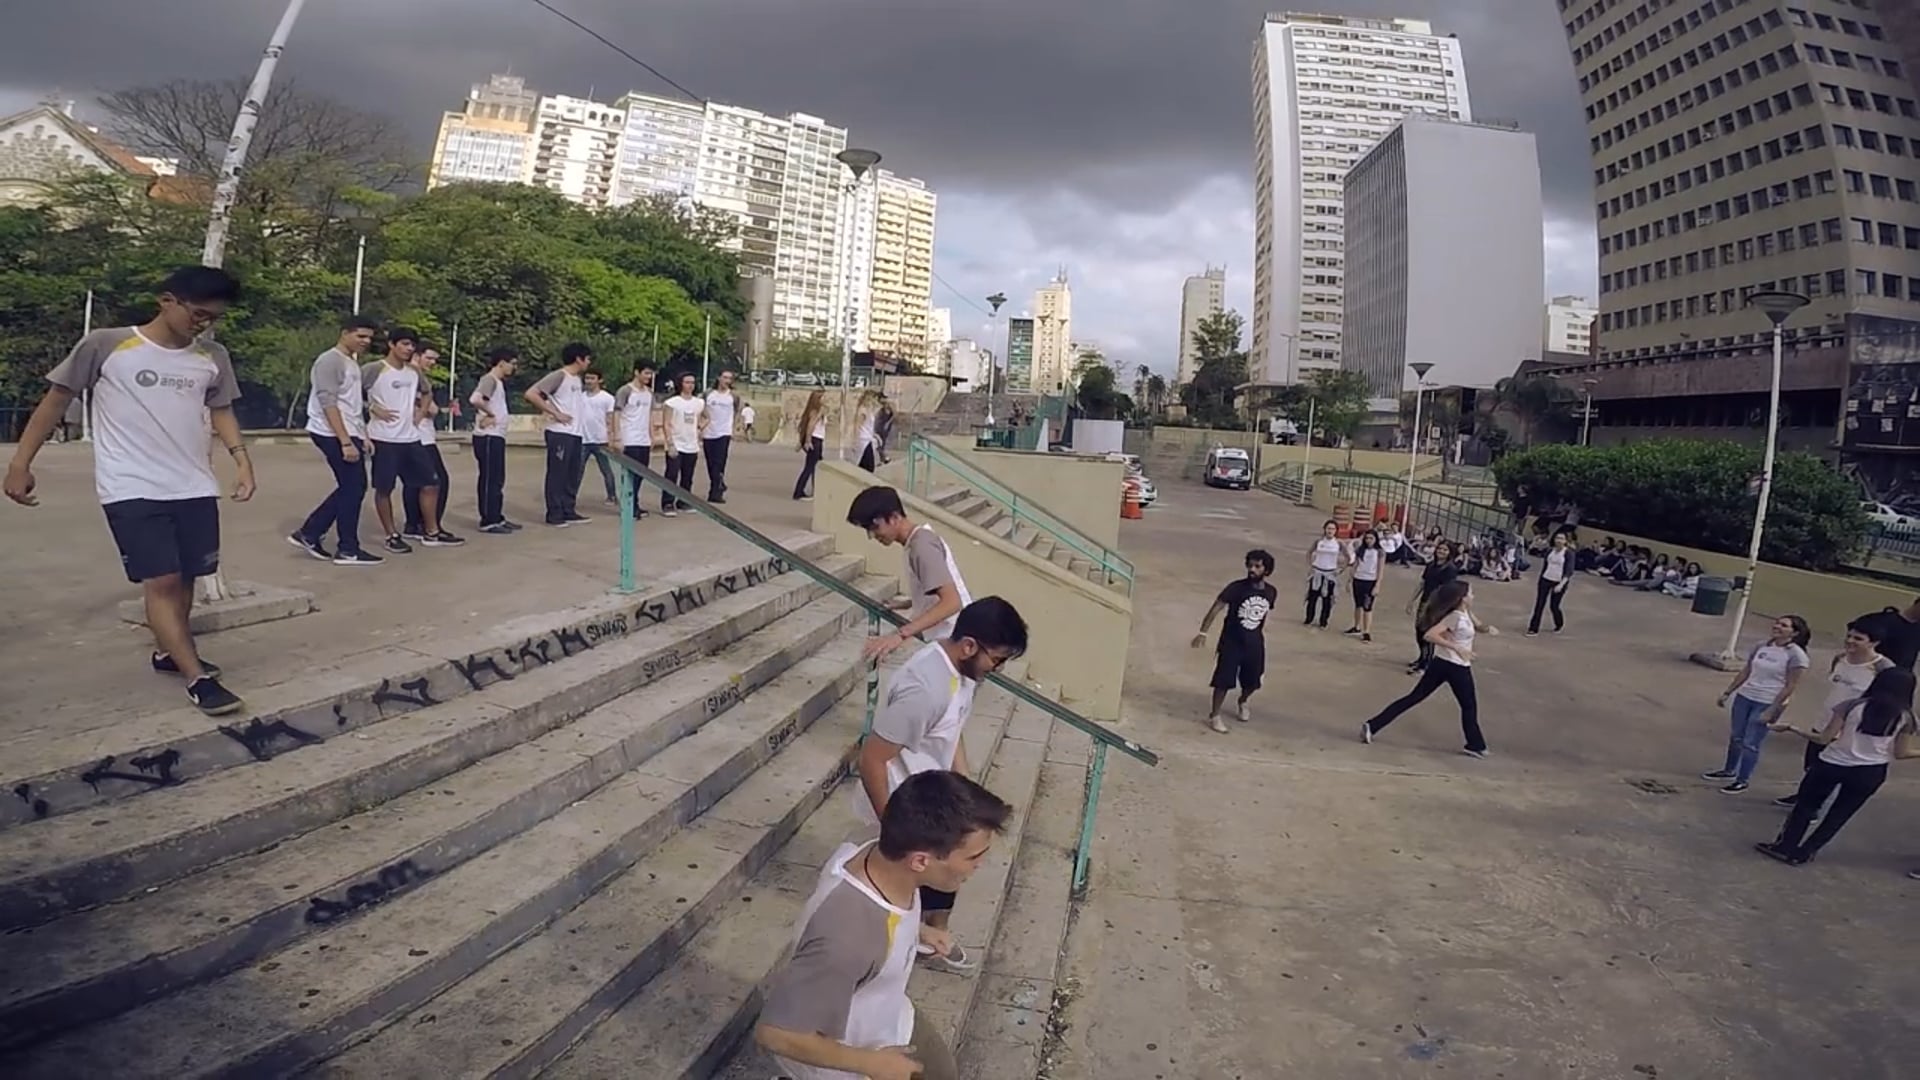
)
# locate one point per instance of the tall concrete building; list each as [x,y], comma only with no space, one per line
[1052,336]
[491,139]
[1020,354]
[1430,190]
[576,148]
[659,148]
[1326,88]
[939,328]
[1741,146]
[968,365]
[1201,296]
[900,282]
[1568,326]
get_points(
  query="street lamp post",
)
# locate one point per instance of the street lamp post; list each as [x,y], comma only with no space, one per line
[858,162]
[993,330]
[1778,307]
[1420,369]
[1586,414]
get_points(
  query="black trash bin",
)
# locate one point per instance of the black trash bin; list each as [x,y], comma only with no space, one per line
[1710,596]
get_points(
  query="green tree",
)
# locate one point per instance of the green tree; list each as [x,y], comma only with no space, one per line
[1097,393]
[818,353]
[1339,400]
[1536,401]
[1221,365]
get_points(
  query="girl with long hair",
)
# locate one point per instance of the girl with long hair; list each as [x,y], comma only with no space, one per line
[1447,622]
[1440,569]
[865,442]
[1368,558]
[1758,695]
[1860,738]
[1556,573]
[812,433]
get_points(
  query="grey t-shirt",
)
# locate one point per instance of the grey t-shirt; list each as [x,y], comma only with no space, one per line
[335,382]
[562,388]
[929,568]
[926,705]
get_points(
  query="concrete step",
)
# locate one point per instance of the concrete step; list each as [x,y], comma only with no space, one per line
[947,497]
[690,1024]
[76,861]
[96,963]
[313,998]
[50,777]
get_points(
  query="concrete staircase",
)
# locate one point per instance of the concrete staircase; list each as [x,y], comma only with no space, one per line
[573,846]
[991,516]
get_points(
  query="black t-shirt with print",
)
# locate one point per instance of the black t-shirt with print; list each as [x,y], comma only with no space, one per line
[1247,602]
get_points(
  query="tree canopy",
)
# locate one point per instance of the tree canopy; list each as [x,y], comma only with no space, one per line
[1220,365]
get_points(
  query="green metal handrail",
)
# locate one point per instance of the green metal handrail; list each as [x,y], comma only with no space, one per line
[923,453]
[630,472]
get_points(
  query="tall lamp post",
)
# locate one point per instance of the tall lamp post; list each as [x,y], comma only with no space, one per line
[1586,414]
[993,330]
[1778,307]
[859,162]
[1420,369]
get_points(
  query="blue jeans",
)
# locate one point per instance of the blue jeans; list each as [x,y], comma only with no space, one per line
[1749,731]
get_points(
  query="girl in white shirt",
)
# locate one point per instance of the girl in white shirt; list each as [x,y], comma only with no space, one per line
[1368,558]
[1848,675]
[1447,623]
[812,431]
[1861,737]
[1556,573]
[1758,695]
[1325,559]
[865,443]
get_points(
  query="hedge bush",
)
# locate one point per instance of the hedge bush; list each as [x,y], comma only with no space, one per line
[1694,493]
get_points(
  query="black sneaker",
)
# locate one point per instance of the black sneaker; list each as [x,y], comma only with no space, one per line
[165,665]
[561,524]
[1366,639]
[413,532]
[1788,801]
[313,548]
[1790,856]
[357,558]
[211,698]
[1351,631]
[443,538]
[512,526]
[1735,788]
[1717,774]
[498,528]
[397,546]
[669,512]
[716,498]
[578,519]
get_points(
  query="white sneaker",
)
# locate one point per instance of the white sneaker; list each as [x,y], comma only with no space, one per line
[1217,724]
[1366,734]
[958,961]
[1244,714]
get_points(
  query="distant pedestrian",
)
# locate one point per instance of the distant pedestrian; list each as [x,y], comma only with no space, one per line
[1860,739]
[882,427]
[336,404]
[716,435]
[73,421]
[811,429]
[1758,696]
[682,416]
[1369,559]
[559,394]
[596,421]
[1240,656]
[1325,559]
[1440,569]
[746,419]
[634,425]
[432,464]
[1448,622]
[866,442]
[489,400]
[1556,575]
[154,388]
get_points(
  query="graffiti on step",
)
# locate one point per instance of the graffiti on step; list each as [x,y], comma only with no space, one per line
[724,699]
[783,735]
[727,583]
[24,792]
[475,664]
[688,598]
[415,692]
[612,626]
[151,770]
[652,614]
[262,740]
[571,641]
[391,880]
[666,663]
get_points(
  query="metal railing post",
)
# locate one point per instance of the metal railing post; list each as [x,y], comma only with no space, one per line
[623,485]
[1082,854]
[873,679]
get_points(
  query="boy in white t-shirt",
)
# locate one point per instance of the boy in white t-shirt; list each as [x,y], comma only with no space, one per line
[920,720]
[716,435]
[683,416]
[634,425]
[838,1008]
[596,422]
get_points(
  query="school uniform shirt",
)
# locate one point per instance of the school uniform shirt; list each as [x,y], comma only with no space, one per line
[1854,748]
[335,380]
[1767,675]
[720,406]
[930,565]
[594,410]
[865,437]
[636,416]
[1366,564]
[1391,542]
[683,424]
[151,435]
[925,707]
[1460,625]
[820,426]
[746,416]
[394,388]
[424,427]
[1326,555]
[562,388]
[1848,681]
[491,393]
[1247,602]
[1557,566]
[846,978]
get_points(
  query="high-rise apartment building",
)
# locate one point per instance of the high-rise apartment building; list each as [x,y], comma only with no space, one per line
[1326,88]
[1432,189]
[1569,326]
[1201,296]
[1020,354]
[1739,146]
[939,329]
[491,139]
[659,148]
[808,293]
[900,290]
[1052,336]
[968,365]
[576,149]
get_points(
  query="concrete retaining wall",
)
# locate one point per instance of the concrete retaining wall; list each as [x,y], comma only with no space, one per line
[1082,491]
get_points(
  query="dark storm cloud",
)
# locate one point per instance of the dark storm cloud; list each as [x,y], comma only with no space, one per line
[1126,106]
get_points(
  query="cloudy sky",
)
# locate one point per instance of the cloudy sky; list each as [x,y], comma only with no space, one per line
[1112,137]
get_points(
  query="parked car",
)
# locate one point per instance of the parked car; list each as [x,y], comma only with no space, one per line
[1891,521]
[1228,467]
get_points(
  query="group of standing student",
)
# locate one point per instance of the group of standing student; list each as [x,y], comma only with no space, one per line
[839,1007]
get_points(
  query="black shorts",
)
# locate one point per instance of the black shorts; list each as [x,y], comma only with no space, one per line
[1236,666]
[1363,594]
[403,461]
[158,537]
[935,900]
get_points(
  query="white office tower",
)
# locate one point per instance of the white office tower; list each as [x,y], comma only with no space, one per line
[490,140]
[1444,260]
[939,333]
[900,284]
[969,366]
[660,148]
[577,148]
[1569,325]
[1202,295]
[812,187]
[1052,336]
[1326,88]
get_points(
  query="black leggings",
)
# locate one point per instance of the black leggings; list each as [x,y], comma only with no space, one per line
[1855,784]
[1546,597]
[679,471]
[1459,679]
[816,448]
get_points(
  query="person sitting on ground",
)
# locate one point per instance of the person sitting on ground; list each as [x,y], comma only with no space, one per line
[1656,577]
[1394,547]
[1586,557]
[1686,584]
[1495,566]
[1608,557]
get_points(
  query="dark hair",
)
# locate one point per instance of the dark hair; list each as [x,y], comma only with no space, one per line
[358,322]
[574,352]
[1444,601]
[403,333]
[644,365]
[502,354]
[684,376]
[1889,698]
[201,284]
[1872,627]
[1263,557]
[1802,633]
[874,505]
[423,345]
[1370,534]
[935,812]
[993,624]
[1329,521]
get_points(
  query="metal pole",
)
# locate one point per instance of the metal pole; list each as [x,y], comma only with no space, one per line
[849,221]
[1306,461]
[1766,489]
[1586,420]
[706,354]
[653,356]
[359,270]
[86,399]
[1413,450]
[453,370]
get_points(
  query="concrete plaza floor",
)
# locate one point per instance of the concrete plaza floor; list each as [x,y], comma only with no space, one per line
[1284,901]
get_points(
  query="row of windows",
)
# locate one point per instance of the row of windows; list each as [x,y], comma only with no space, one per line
[1767,244]
[1865,283]
[1751,30]
[1772,64]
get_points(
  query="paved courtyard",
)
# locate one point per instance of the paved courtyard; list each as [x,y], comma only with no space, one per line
[1283,901]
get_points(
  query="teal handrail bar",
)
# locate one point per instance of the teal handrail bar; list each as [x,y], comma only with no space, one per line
[1109,561]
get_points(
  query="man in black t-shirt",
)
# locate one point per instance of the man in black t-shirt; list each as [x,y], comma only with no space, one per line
[1242,651]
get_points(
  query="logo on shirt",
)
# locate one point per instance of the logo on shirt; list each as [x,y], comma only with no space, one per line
[147,378]
[1253,611]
